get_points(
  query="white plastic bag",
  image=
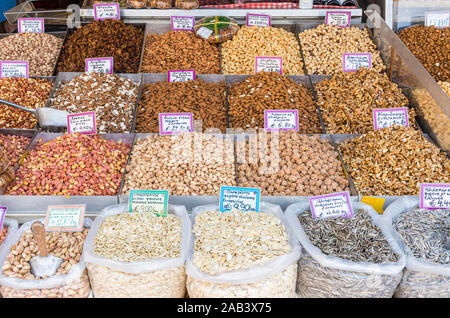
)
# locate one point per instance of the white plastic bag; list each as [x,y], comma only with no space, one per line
[12,226]
[153,278]
[273,279]
[421,278]
[73,284]
[321,275]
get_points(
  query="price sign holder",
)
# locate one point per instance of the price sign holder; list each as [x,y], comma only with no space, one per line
[65,218]
[435,195]
[154,201]
[83,123]
[243,199]
[331,205]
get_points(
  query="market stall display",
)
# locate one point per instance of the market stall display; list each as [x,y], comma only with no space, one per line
[179,50]
[347,100]
[41,50]
[13,147]
[103,38]
[204,99]
[249,97]
[241,254]
[394,161]
[112,98]
[238,54]
[138,254]
[345,257]
[27,92]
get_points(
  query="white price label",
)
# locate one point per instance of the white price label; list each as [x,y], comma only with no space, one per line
[269,64]
[14,69]
[439,19]
[181,76]
[204,32]
[65,218]
[100,65]
[258,20]
[104,11]
[384,118]
[281,120]
[34,25]
[175,123]
[182,23]
[331,205]
[237,198]
[83,123]
[338,18]
[435,195]
[353,61]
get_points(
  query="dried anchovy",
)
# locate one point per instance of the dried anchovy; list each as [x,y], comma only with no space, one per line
[425,232]
[355,239]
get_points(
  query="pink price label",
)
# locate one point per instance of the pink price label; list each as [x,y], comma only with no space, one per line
[182,23]
[181,76]
[260,20]
[104,11]
[384,118]
[338,18]
[435,195]
[83,123]
[353,61]
[101,65]
[2,215]
[14,69]
[35,25]
[276,120]
[175,123]
[331,205]
[269,64]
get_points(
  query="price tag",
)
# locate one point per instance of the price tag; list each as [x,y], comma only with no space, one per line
[181,76]
[281,120]
[236,198]
[64,218]
[104,11]
[339,18]
[14,69]
[376,203]
[83,123]
[353,61]
[35,25]
[204,32]
[269,64]
[2,215]
[439,19]
[384,118]
[331,205]
[149,201]
[258,20]
[435,195]
[100,65]
[175,123]
[182,23]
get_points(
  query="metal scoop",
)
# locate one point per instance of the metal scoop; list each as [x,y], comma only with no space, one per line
[47,117]
[44,264]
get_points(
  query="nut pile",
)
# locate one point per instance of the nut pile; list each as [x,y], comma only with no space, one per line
[323,48]
[179,50]
[13,147]
[347,100]
[103,38]
[72,164]
[238,54]
[263,91]
[186,164]
[394,161]
[112,97]
[30,93]
[207,101]
[425,232]
[430,45]
[40,49]
[138,236]
[355,239]
[3,234]
[305,165]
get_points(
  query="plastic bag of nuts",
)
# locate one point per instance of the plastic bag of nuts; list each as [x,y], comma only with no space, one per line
[322,275]
[241,254]
[70,281]
[138,254]
[421,233]
[186,4]
[216,29]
